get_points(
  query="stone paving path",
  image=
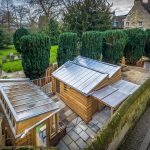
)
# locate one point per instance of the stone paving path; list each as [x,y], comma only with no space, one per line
[79,134]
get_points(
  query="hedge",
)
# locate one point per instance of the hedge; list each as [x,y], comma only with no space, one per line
[92,42]
[67,49]
[147,47]
[35,55]
[114,44]
[17,38]
[134,49]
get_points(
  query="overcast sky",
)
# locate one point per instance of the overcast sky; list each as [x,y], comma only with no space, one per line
[122,6]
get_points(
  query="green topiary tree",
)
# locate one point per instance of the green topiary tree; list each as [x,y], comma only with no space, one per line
[17,37]
[92,44]
[147,47]
[114,44]
[67,47]
[35,55]
[135,46]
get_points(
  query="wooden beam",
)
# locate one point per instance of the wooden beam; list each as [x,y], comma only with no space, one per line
[47,133]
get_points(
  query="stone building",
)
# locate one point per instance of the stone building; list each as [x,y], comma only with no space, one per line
[118,21]
[139,15]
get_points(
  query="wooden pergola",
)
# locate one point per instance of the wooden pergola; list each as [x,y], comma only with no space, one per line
[26,107]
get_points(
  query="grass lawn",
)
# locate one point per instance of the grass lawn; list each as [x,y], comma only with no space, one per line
[17,65]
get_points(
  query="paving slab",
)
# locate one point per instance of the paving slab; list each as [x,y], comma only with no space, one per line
[73,146]
[84,135]
[83,125]
[90,133]
[74,136]
[62,146]
[67,139]
[81,143]
[77,129]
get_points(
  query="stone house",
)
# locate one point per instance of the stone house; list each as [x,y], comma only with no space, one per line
[118,21]
[139,15]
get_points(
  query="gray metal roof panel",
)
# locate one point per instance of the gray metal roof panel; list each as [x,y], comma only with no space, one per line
[114,99]
[78,77]
[116,93]
[126,87]
[27,104]
[97,65]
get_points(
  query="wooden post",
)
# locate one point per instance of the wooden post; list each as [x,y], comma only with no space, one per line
[47,133]
[57,122]
[112,111]
[34,142]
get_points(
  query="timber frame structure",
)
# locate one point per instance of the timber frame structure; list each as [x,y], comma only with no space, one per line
[84,85]
[25,107]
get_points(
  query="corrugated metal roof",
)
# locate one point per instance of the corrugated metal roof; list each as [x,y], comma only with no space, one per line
[125,86]
[78,77]
[26,100]
[97,65]
[115,94]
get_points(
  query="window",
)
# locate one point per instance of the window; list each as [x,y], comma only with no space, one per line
[140,24]
[127,24]
[116,24]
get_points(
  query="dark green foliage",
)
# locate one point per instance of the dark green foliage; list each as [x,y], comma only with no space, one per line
[147,47]
[67,47]
[87,15]
[92,44]
[17,38]
[114,44]
[53,29]
[5,39]
[135,46]
[35,55]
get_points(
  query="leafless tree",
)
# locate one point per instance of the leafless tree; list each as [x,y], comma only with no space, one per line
[6,6]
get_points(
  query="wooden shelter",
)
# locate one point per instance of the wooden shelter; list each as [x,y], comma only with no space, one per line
[76,80]
[26,107]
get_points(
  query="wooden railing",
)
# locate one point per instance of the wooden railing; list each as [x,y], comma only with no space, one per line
[44,84]
[50,70]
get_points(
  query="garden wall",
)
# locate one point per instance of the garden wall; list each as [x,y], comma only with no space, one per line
[113,133]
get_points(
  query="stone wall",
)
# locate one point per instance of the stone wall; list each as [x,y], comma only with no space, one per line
[136,15]
[113,133]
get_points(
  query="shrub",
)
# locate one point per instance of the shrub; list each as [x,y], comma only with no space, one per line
[53,29]
[12,66]
[17,38]
[92,44]
[147,47]
[67,47]
[5,39]
[35,55]
[114,44]
[135,46]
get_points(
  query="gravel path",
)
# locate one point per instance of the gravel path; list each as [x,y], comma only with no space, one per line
[136,136]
